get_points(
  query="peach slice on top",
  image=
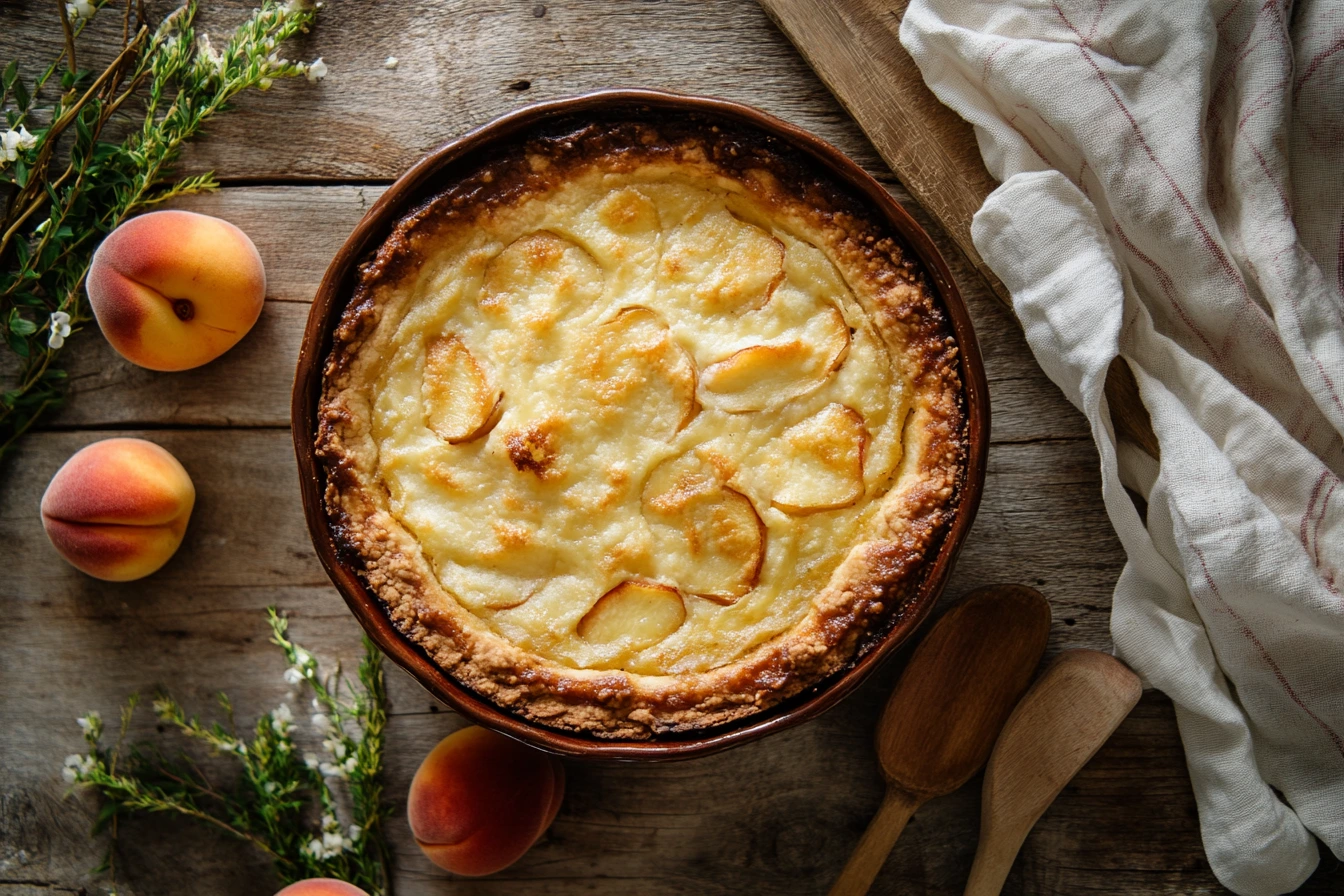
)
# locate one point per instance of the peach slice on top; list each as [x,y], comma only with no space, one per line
[764,376]
[635,614]
[730,265]
[633,368]
[708,535]
[460,405]
[822,468]
[538,278]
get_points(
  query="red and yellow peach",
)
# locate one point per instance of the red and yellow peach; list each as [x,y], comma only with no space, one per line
[480,800]
[118,508]
[173,290]
[321,886]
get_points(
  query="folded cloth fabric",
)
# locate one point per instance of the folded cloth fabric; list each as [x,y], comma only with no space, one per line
[1173,195]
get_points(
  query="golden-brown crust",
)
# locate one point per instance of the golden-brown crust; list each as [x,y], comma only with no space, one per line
[867,590]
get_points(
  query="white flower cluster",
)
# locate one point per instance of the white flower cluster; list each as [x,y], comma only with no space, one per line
[305,667]
[60,328]
[77,767]
[232,746]
[91,724]
[80,9]
[332,841]
[282,720]
[11,141]
[207,56]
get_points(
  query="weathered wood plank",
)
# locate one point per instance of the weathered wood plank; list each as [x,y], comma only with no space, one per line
[462,63]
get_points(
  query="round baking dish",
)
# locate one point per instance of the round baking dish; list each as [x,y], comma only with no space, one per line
[413,186]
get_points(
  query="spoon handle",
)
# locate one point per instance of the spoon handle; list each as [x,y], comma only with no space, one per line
[871,853]
[993,860]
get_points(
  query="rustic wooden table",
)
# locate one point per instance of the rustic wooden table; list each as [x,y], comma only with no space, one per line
[300,164]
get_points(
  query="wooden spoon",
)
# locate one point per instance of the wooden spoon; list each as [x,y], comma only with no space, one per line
[1060,724]
[951,701]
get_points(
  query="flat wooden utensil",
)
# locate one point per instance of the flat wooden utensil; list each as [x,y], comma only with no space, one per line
[855,46]
[1071,710]
[941,720]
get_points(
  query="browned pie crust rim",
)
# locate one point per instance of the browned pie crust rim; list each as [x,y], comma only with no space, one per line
[869,591]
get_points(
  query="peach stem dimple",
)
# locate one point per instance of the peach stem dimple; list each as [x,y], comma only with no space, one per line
[184,309]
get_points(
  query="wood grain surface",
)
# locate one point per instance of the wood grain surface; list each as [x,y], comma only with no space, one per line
[301,162]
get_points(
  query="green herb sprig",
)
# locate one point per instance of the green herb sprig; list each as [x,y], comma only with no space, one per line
[65,186]
[287,804]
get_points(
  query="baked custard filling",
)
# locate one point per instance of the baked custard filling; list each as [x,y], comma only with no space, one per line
[637,432]
[635,423]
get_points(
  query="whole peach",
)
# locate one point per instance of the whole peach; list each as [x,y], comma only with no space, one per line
[118,508]
[480,800]
[173,290]
[321,886]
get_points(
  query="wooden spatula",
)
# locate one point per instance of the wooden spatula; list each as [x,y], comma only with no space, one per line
[1070,711]
[941,721]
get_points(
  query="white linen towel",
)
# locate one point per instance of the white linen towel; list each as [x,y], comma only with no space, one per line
[1173,194]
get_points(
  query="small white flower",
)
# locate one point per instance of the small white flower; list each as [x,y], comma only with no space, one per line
[321,722]
[293,675]
[163,707]
[77,766]
[12,141]
[270,787]
[391,62]
[235,746]
[316,704]
[331,771]
[339,750]
[80,9]
[356,832]
[317,70]
[208,56]
[281,719]
[332,840]
[329,822]
[282,747]
[89,722]
[348,766]
[265,83]
[60,328]
[302,657]
[314,848]
[311,760]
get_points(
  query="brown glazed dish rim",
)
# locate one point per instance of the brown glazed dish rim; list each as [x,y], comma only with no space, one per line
[330,301]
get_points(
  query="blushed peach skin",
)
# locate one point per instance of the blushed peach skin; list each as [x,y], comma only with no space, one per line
[173,290]
[321,886]
[118,508]
[480,800]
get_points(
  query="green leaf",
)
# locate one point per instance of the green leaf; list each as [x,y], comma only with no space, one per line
[17,344]
[20,172]
[106,813]
[21,97]
[55,375]
[11,72]
[21,325]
